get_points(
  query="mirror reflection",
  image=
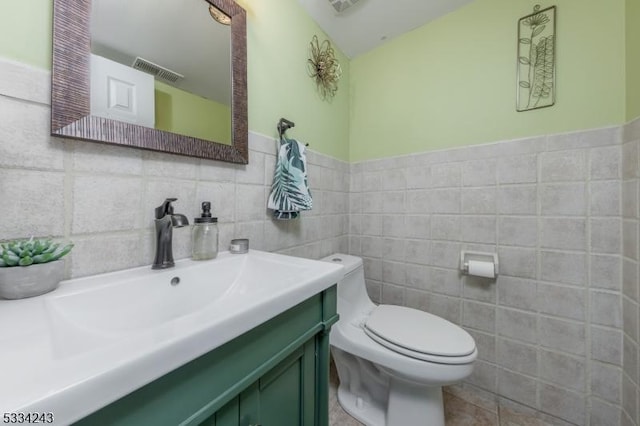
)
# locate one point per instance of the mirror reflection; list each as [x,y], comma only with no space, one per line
[163,64]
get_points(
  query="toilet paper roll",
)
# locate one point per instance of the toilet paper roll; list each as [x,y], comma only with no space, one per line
[482,269]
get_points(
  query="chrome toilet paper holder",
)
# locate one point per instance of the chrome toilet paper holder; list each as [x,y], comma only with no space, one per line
[466,256]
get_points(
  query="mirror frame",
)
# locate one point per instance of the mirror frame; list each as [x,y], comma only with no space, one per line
[70,91]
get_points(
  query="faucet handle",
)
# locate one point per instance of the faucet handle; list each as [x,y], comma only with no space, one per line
[165,209]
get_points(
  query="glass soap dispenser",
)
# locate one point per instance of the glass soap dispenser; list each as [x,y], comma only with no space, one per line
[204,236]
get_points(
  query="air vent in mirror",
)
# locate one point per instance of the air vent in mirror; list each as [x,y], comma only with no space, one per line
[156,70]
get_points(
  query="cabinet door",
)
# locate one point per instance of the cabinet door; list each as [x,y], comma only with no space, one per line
[228,415]
[285,396]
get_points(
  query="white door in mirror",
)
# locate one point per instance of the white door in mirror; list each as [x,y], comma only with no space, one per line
[121,93]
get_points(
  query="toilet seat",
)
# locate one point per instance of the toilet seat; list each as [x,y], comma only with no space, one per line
[419,335]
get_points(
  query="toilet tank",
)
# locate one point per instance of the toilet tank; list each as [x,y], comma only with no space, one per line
[353,298]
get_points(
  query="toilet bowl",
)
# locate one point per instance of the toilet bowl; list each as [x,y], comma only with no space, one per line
[392,361]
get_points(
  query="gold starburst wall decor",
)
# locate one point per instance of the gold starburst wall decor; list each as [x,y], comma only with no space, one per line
[324,67]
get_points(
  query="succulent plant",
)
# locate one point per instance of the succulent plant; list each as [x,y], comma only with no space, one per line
[31,251]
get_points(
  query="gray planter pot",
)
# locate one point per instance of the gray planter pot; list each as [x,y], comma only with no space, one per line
[18,282]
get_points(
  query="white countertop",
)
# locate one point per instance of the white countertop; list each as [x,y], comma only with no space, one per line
[71,367]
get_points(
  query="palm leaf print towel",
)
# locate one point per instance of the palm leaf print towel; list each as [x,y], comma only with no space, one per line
[290,190]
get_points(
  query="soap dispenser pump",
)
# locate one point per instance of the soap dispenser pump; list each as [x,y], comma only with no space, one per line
[204,237]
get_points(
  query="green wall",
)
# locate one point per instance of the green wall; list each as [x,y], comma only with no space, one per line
[182,112]
[448,83]
[278,35]
[452,82]
[25,31]
[633,58]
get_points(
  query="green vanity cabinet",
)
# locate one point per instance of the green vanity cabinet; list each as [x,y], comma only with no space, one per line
[280,397]
[276,374]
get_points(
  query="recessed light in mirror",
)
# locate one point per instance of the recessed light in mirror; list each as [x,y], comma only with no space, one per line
[219,16]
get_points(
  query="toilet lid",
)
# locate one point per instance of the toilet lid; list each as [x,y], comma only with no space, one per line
[410,330]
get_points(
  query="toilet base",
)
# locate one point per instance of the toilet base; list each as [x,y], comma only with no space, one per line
[413,404]
[408,404]
[368,412]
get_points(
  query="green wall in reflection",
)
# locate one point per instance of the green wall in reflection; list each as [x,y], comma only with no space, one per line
[187,114]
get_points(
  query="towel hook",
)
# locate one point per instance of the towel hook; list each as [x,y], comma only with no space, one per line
[283,126]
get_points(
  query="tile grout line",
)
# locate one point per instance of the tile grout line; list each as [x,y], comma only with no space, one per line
[588,285]
[538,268]
[69,178]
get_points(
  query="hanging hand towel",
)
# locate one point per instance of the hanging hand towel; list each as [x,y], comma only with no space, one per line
[290,190]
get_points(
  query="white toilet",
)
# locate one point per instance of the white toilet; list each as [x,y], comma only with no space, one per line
[392,361]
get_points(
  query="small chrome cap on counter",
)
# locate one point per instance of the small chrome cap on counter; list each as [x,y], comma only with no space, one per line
[239,246]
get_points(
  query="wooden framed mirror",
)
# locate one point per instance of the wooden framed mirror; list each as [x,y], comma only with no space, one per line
[71,91]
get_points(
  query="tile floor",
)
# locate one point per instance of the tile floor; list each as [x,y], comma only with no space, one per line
[458,411]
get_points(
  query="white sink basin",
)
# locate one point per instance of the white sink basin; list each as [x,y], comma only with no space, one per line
[156,297]
[97,338]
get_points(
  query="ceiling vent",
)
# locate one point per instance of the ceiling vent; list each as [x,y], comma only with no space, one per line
[156,70]
[342,5]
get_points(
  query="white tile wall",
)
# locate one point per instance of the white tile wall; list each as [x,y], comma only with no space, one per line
[102,197]
[552,330]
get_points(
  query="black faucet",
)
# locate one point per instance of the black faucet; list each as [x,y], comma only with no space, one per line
[166,220]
